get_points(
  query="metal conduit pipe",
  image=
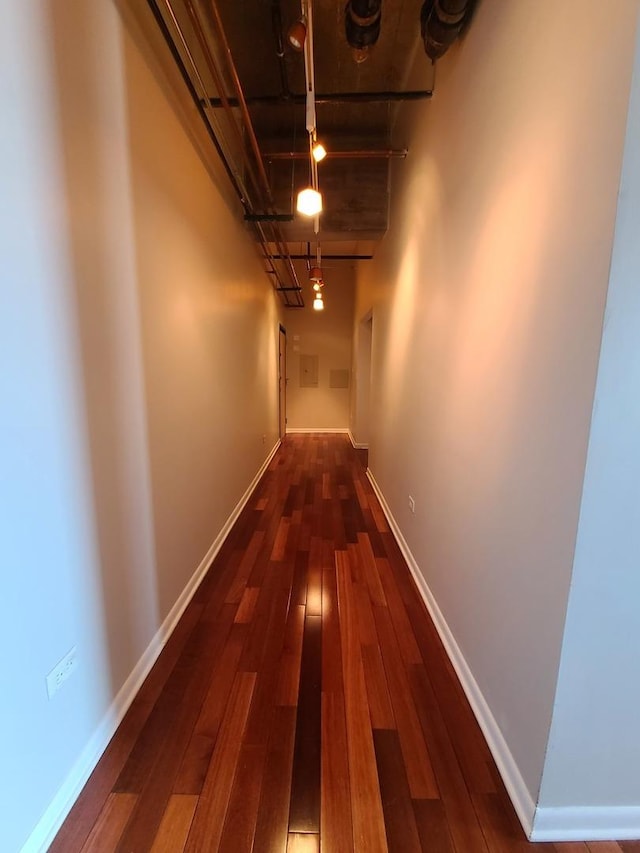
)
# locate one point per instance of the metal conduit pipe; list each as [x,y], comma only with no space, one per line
[441,22]
[219,84]
[385,154]
[251,135]
[276,24]
[259,186]
[328,98]
[259,179]
[197,101]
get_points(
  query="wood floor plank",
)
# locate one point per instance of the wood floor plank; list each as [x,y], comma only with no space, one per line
[366,623]
[289,675]
[422,782]
[433,828]
[459,810]
[304,812]
[465,734]
[268,672]
[110,825]
[332,678]
[501,834]
[175,825]
[280,544]
[197,661]
[242,812]
[399,817]
[366,803]
[372,575]
[197,756]
[208,820]
[336,826]
[303,842]
[380,708]
[249,557]
[272,823]
[402,626]
[247,605]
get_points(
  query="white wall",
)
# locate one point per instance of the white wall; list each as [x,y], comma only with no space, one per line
[594,748]
[139,375]
[326,334]
[488,295]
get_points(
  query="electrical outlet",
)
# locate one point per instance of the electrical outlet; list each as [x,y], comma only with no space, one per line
[412,504]
[62,670]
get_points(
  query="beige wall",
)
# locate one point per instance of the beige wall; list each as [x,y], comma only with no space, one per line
[488,295]
[139,383]
[326,334]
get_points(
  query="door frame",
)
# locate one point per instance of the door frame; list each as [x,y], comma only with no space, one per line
[282,381]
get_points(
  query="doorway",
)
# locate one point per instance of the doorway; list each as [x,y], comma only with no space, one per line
[282,381]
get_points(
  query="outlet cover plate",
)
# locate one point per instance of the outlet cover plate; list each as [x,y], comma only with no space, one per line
[63,670]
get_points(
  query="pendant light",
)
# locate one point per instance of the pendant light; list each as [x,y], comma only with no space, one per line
[309,202]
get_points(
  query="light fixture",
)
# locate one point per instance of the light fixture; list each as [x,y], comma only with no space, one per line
[309,202]
[297,34]
[315,274]
[319,152]
[317,286]
[318,304]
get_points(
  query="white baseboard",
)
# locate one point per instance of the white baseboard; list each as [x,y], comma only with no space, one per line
[318,429]
[51,821]
[358,445]
[514,783]
[597,823]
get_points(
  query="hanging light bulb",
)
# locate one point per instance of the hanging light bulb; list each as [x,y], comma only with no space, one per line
[318,304]
[319,152]
[309,202]
[297,34]
[317,285]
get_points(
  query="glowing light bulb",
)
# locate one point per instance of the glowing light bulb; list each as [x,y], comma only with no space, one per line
[319,152]
[318,304]
[309,202]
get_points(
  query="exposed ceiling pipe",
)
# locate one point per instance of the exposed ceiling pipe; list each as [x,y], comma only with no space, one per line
[328,98]
[276,25]
[441,22]
[362,26]
[235,179]
[268,233]
[360,154]
[219,84]
[248,126]
[333,257]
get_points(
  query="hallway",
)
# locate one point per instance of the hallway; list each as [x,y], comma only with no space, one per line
[304,701]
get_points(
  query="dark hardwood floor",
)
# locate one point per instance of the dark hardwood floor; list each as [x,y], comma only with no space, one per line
[304,701]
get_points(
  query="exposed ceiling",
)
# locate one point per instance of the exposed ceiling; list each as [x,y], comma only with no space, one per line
[215,41]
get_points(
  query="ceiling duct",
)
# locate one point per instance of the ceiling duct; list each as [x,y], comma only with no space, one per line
[441,23]
[362,25]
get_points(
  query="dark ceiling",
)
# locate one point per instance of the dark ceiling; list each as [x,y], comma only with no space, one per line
[205,34]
